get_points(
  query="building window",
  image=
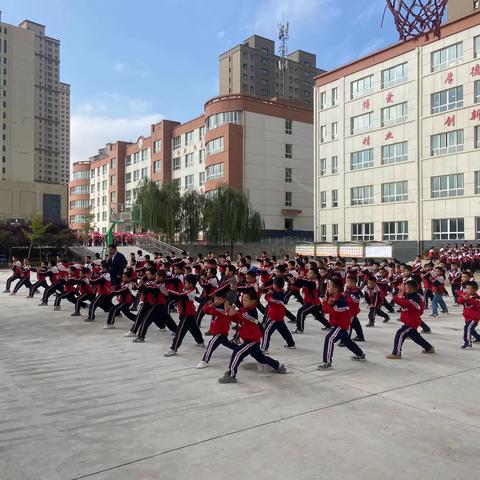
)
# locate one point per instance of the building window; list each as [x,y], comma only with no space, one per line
[397,152]
[288,175]
[323,199]
[448,229]
[476,91]
[80,189]
[215,171]
[323,233]
[201,179]
[157,166]
[136,175]
[214,146]
[113,179]
[361,195]
[323,166]
[447,186]
[334,198]
[395,75]
[335,232]
[176,142]
[189,182]
[477,137]
[361,123]
[176,183]
[447,57]
[323,100]
[477,182]
[157,146]
[334,130]
[219,119]
[476,40]
[361,159]
[189,160]
[362,232]
[189,138]
[176,163]
[288,224]
[104,169]
[288,150]
[395,230]
[128,177]
[288,127]
[113,162]
[128,160]
[395,114]
[113,197]
[128,195]
[323,133]
[447,99]
[201,156]
[334,164]
[394,192]
[361,87]
[288,199]
[334,96]
[443,143]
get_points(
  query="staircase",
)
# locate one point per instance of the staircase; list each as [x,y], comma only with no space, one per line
[153,244]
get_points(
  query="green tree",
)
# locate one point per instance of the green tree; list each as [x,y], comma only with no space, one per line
[37,229]
[170,204]
[87,226]
[192,210]
[229,218]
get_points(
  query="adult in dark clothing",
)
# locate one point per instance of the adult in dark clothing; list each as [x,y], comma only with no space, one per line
[116,264]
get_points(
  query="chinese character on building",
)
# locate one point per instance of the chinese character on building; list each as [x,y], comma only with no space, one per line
[366,104]
[389,135]
[389,97]
[475,71]
[449,79]
[475,115]
[366,140]
[450,121]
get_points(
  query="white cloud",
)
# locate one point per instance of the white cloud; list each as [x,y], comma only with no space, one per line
[221,33]
[89,132]
[119,67]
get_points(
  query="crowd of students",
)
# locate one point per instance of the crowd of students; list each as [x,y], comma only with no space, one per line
[247,299]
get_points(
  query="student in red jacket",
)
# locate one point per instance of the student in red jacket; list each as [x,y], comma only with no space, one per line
[86,292]
[336,306]
[353,296]
[412,307]
[275,315]
[438,292]
[250,334]
[374,298]
[41,279]
[124,301]
[24,277]
[186,310]
[471,312]
[219,327]
[104,294]
[16,267]
[69,289]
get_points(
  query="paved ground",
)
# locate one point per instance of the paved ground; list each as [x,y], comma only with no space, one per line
[77,401]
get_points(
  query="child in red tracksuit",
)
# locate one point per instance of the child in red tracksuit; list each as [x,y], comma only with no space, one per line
[124,301]
[353,296]
[219,326]
[187,311]
[250,334]
[69,289]
[336,306]
[104,294]
[471,312]
[412,307]
[275,315]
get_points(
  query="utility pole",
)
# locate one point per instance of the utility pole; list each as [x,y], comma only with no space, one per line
[283,51]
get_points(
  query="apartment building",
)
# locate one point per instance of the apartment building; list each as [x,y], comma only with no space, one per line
[460,8]
[397,143]
[253,68]
[262,147]
[34,108]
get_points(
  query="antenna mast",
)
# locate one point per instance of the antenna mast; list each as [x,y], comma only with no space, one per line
[283,51]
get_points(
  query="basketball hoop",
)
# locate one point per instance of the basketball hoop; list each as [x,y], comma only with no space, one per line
[417,17]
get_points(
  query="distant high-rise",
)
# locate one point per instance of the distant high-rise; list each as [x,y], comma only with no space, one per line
[253,68]
[35,123]
[461,8]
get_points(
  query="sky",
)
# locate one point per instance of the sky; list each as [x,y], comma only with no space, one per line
[132,63]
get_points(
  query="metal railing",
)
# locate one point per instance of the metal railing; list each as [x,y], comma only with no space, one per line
[81,251]
[152,244]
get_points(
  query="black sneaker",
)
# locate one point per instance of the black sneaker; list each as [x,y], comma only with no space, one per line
[138,340]
[385,320]
[359,357]
[89,319]
[227,379]
[466,346]
[370,324]
[359,339]
[324,366]
[426,331]
[341,344]
[281,369]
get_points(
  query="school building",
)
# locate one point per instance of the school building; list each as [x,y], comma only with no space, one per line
[397,143]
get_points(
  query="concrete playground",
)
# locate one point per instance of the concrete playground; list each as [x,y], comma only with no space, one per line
[81,402]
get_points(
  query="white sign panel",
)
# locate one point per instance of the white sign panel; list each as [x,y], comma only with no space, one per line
[378,251]
[350,251]
[308,250]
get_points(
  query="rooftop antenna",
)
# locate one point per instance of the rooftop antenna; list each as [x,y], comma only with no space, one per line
[283,51]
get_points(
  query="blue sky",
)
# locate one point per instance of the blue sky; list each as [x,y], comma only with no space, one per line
[132,63]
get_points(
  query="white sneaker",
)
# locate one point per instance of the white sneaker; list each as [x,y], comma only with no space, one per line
[200,345]
[130,334]
[170,353]
[108,327]
[202,364]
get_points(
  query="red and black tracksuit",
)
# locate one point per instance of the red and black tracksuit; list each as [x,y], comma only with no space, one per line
[86,292]
[187,323]
[41,281]
[24,279]
[104,295]
[209,285]
[124,301]
[69,291]
[471,314]
[275,320]
[412,308]
[219,328]
[373,297]
[16,274]
[250,334]
[339,316]
[311,303]
[353,298]
[55,285]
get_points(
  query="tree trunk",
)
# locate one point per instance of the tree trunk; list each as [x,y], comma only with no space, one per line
[30,250]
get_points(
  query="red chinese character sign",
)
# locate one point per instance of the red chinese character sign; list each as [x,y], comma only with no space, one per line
[475,71]
[366,104]
[366,141]
[475,115]
[450,121]
[389,97]
[389,135]
[449,79]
